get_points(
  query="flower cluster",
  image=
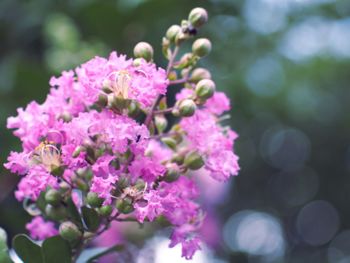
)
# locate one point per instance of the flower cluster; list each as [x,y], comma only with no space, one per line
[101,143]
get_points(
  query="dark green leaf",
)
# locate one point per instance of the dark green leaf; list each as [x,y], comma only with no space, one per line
[73,213]
[56,250]
[91,218]
[4,255]
[89,255]
[27,250]
[40,202]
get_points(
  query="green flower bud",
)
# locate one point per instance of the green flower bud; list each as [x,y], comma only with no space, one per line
[201,47]
[53,197]
[124,205]
[170,142]
[57,170]
[161,123]
[172,32]
[198,74]
[105,210]
[77,151]
[140,184]
[198,16]
[172,173]
[178,159]
[66,116]
[143,50]
[137,62]
[187,107]
[69,231]
[57,213]
[205,89]
[193,160]
[133,109]
[64,187]
[118,103]
[93,200]
[102,100]
[123,182]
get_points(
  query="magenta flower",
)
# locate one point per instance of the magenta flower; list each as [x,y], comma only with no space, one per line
[39,229]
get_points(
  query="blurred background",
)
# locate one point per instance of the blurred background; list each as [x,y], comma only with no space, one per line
[286,66]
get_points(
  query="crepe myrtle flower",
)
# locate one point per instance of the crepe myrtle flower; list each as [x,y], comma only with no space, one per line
[101,143]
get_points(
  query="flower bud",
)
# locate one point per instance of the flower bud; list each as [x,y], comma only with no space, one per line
[172,32]
[123,182]
[140,184]
[178,158]
[69,231]
[198,74]
[57,213]
[57,170]
[77,151]
[193,160]
[93,200]
[102,100]
[205,89]
[53,197]
[170,142]
[143,50]
[161,123]
[124,205]
[133,109]
[172,173]
[198,17]
[105,210]
[201,47]
[187,107]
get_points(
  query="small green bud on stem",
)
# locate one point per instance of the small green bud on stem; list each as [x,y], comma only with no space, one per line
[187,107]
[69,231]
[172,32]
[143,50]
[201,47]
[193,160]
[53,197]
[205,89]
[124,205]
[198,74]
[93,200]
[198,17]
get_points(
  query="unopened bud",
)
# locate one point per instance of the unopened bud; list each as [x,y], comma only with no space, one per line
[57,213]
[77,151]
[187,107]
[172,32]
[133,109]
[102,100]
[53,197]
[124,205]
[205,89]
[172,173]
[193,160]
[140,184]
[201,47]
[198,17]
[170,142]
[69,231]
[161,123]
[123,182]
[198,74]
[93,200]
[178,158]
[57,170]
[66,116]
[105,210]
[143,50]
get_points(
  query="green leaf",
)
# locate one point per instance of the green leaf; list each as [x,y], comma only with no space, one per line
[4,255]
[91,218]
[27,250]
[89,255]
[74,213]
[56,250]
[40,202]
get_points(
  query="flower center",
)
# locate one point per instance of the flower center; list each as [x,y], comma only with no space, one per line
[48,154]
[121,84]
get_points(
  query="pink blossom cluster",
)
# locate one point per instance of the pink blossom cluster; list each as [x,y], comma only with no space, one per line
[84,138]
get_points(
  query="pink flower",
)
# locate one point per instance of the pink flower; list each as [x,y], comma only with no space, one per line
[37,180]
[40,229]
[205,135]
